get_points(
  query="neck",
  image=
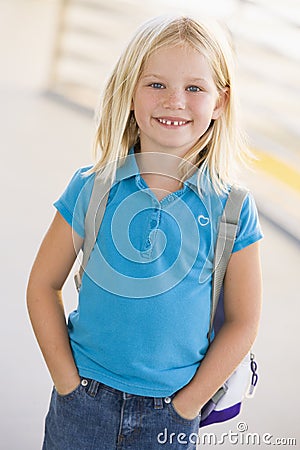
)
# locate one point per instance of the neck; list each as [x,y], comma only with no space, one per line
[160,171]
[158,164]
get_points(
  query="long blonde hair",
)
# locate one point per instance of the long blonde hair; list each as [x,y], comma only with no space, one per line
[221,149]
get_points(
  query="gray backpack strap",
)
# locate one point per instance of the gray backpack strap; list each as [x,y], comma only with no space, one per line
[92,223]
[225,241]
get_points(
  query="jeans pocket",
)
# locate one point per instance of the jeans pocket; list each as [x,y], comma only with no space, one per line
[69,395]
[176,414]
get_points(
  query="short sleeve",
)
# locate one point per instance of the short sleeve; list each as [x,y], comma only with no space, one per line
[249,230]
[74,201]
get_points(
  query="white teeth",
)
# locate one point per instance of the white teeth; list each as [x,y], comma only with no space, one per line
[170,122]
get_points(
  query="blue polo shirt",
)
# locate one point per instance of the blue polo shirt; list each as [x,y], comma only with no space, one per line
[144,305]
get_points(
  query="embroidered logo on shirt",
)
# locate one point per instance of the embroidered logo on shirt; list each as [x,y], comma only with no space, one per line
[203,220]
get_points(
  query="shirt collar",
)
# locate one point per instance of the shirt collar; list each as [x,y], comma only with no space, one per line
[130,169]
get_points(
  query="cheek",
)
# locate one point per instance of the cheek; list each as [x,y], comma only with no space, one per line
[204,108]
[144,108]
[145,99]
[141,116]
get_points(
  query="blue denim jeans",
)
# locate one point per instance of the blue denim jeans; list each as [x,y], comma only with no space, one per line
[97,417]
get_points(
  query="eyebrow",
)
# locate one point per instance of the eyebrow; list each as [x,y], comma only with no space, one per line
[197,80]
[190,80]
[151,75]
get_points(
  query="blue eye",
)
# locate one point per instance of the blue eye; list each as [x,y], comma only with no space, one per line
[193,89]
[157,85]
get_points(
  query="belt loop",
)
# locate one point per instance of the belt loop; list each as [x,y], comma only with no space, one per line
[158,403]
[93,388]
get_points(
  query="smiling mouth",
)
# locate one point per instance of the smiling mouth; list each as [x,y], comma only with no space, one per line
[174,123]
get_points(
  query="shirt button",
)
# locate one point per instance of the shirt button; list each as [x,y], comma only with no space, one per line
[153,223]
[147,244]
[167,400]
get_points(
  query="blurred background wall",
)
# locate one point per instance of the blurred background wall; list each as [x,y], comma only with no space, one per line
[55,56]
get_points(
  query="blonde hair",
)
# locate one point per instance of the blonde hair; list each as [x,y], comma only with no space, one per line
[221,149]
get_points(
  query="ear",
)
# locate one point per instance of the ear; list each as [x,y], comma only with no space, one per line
[221,103]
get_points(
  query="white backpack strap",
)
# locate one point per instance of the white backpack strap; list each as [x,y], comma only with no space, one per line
[92,223]
[225,241]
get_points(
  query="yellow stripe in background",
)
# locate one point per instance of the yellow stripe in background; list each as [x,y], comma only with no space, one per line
[278,169]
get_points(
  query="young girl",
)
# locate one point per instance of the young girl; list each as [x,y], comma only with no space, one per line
[134,360]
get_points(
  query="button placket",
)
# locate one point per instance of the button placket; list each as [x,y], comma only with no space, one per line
[152,226]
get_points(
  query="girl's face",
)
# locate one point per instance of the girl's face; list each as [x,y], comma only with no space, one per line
[175,100]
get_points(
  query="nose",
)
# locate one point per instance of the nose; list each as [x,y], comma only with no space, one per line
[174,99]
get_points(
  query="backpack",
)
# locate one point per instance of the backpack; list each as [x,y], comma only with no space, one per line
[226,402]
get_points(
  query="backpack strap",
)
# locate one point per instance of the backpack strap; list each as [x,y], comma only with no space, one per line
[92,223]
[224,245]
